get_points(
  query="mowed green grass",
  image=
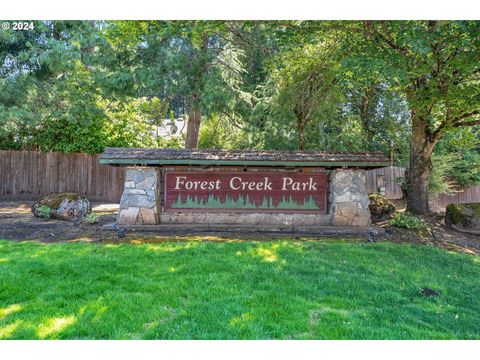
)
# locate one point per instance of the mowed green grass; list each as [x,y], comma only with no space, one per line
[236,290]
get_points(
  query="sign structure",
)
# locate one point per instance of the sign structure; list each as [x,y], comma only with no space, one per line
[274,192]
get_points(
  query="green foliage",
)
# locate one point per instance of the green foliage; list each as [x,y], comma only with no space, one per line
[44,212]
[79,86]
[57,108]
[61,102]
[462,148]
[193,64]
[130,123]
[301,87]
[408,221]
[216,132]
[440,181]
[91,218]
[174,142]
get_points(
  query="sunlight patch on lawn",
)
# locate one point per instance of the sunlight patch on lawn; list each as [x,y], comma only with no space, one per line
[267,254]
[38,253]
[97,308]
[82,239]
[177,238]
[8,330]
[4,312]
[241,320]
[55,325]
[170,248]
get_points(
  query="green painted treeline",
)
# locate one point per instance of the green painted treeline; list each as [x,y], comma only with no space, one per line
[196,202]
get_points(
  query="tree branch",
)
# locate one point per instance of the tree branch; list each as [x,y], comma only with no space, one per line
[464,116]
[232,120]
[387,40]
[467,123]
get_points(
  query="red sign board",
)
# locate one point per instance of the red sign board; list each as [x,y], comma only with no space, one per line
[279,192]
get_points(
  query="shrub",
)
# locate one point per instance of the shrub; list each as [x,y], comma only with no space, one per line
[407,221]
[44,212]
[91,218]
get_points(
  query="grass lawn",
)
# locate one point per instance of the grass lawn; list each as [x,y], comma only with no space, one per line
[236,290]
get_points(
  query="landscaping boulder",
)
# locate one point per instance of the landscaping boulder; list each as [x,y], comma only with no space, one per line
[463,217]
[381,208]
[65,206]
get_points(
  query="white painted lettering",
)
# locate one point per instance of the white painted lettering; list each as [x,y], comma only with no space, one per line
[235,180]
[286,181]
[268,184]
[178,183]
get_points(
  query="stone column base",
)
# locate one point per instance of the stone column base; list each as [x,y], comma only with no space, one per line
[349,198]
[139,202]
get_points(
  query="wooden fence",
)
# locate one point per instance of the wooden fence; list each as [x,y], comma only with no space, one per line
[386,177]
[466,195]
[28,175]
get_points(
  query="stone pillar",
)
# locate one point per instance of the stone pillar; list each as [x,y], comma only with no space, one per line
[349,198]
[140,199]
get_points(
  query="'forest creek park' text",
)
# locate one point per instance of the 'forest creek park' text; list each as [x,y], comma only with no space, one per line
[236,183]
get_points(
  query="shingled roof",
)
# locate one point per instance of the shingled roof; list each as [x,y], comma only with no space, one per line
[151,156]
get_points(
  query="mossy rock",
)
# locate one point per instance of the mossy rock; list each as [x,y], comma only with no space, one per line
[64,206]
[381,208]
[466,216]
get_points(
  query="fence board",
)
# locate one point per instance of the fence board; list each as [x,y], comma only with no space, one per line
[466,195]
[390,174]
[29,175]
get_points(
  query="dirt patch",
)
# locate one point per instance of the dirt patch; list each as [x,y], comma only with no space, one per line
[18,224]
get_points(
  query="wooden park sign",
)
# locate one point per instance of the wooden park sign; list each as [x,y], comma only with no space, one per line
[281,192]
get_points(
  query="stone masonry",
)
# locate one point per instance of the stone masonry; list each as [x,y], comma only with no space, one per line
[140,198]
[349,198]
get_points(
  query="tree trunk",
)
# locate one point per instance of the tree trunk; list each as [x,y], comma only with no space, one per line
[300,135]
[193,125]
[366,114]
[420,166]
[197,88]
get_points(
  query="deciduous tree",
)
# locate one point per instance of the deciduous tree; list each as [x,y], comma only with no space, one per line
[436,65]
